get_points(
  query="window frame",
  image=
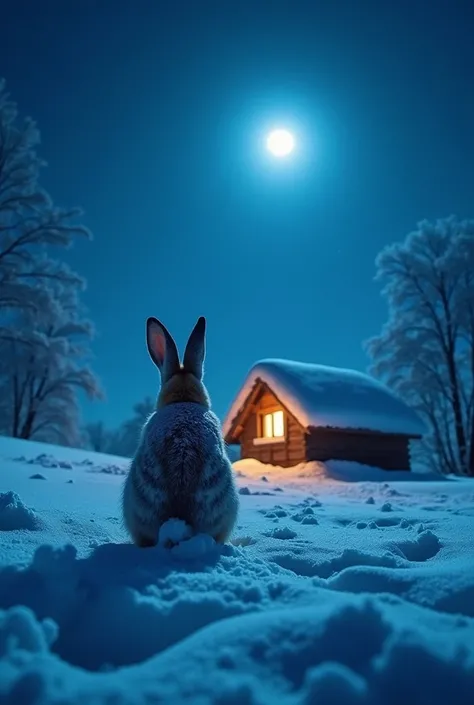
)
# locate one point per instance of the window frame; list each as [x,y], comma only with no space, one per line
[261,439]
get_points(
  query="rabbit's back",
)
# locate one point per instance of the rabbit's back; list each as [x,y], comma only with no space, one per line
[181,470]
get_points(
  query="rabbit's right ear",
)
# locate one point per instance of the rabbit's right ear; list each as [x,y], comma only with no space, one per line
[195,351]
[162,349]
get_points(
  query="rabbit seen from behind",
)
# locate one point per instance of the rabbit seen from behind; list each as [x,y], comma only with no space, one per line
[180,469]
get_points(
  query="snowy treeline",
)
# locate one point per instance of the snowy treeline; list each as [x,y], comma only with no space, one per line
[426,348]
[124,439]
[44,334]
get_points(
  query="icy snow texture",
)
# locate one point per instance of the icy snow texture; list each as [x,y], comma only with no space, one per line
[321,396]
[363,607]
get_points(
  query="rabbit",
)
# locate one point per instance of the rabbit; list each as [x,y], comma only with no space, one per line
[181,468]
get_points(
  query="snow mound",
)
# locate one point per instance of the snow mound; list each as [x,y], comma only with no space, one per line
[21,631]
[128,598]
[283,532]
[331,470]
[338,650]
[46,460]
[111,469]
[15,515]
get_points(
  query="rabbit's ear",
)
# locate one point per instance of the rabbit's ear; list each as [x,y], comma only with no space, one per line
[162,349]
[195,352]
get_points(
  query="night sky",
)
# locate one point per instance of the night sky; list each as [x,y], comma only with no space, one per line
[152,117]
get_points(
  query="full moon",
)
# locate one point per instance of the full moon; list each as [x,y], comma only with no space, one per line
[280,143]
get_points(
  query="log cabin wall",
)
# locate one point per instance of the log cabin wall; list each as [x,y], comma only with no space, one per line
[285,453]
[389,452]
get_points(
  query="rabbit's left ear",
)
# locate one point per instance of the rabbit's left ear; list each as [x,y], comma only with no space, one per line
[162,349]
[195,351]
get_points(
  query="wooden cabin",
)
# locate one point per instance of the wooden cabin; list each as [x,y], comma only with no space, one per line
[288,413]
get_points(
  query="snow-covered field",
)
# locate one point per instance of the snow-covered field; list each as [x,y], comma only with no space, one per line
[334,591]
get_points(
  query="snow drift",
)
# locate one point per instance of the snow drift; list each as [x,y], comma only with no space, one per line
[334,592]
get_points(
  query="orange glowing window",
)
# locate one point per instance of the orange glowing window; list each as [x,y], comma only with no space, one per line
[273,425]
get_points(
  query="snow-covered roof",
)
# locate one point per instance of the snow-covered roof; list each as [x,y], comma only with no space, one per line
[331,397]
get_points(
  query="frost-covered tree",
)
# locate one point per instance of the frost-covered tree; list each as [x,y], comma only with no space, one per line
[97,437]
[426,349]
[44,370]
[30,225]
[44,337]
[125,440]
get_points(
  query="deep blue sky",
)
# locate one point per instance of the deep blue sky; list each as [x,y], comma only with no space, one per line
[152,115]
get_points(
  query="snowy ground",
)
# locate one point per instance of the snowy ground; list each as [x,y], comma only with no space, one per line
[336,591]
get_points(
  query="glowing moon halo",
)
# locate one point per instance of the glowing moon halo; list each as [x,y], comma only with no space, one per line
[280,143]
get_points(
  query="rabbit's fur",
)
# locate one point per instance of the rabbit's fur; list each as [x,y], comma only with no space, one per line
[181,469]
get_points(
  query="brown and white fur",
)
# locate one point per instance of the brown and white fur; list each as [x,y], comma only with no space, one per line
[181,469]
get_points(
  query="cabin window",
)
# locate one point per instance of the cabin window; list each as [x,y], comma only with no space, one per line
[273,425]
